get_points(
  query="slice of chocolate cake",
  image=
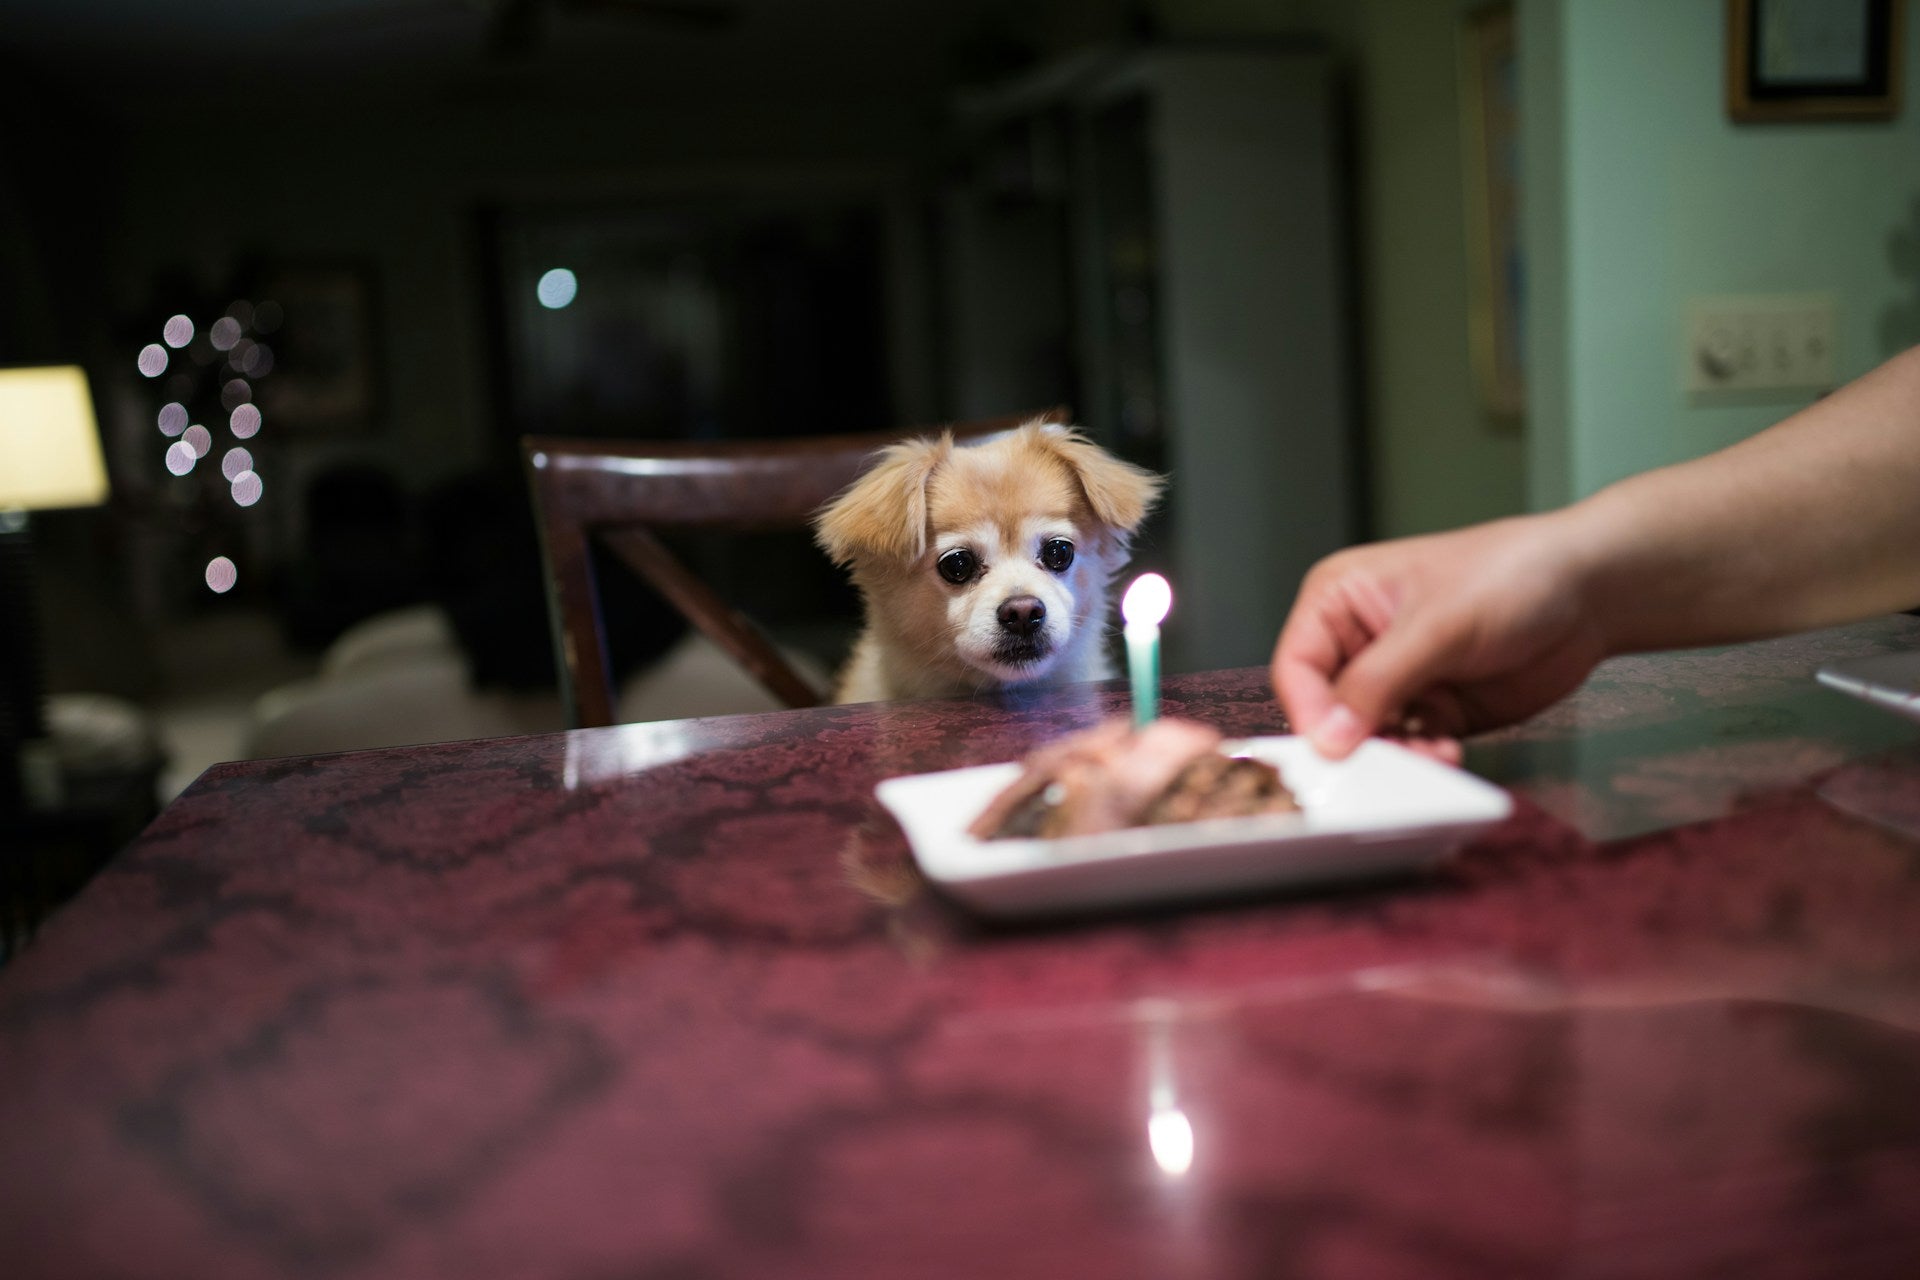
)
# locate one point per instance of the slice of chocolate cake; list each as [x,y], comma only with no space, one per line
[1111,776]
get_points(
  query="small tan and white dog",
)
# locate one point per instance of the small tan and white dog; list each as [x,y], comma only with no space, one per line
[984,565]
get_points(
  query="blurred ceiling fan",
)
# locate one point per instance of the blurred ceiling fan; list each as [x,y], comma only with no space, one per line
[514,29]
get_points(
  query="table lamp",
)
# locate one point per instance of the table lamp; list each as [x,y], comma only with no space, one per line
[49,458]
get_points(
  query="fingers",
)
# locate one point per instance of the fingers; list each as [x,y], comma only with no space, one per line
[1432,637]
[1353,658]
[1334,622]
[1304,689]
[1438,711]
[1404,664]
[1309,653]
[1445,750]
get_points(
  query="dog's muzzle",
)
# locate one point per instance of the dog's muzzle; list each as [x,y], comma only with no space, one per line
[1022,615]
[1023,631]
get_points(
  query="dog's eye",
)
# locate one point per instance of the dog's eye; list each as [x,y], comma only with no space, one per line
[958,566]
[1056,554]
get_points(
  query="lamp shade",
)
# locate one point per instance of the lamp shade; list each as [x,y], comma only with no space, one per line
[49,442]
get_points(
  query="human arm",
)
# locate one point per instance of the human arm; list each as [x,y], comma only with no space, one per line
[1812,522]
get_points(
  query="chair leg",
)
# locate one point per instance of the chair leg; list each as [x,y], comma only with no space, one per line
[728,628]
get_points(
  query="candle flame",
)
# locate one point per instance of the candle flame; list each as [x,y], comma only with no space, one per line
[1146,601]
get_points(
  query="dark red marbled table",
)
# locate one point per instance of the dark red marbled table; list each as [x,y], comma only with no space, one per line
[668,1001]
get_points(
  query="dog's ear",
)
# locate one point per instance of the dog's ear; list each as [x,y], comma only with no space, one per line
[1119,493]
[884,512]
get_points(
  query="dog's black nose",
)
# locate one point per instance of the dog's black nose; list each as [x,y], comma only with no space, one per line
[1022,615]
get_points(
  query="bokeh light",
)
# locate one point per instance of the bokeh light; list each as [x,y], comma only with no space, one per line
[557,288]
[220,360]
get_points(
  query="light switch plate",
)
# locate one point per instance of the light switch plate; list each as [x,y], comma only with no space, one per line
[1759,342]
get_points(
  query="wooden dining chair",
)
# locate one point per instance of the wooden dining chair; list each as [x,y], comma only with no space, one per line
[621,494]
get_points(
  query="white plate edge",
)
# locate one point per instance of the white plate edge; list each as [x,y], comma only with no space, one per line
[1000,859]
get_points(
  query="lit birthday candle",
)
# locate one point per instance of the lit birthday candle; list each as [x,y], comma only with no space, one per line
[1142,608]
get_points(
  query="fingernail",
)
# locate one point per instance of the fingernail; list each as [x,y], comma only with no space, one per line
[1338,732]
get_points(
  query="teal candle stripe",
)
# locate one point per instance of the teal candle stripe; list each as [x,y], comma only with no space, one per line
[1143,666]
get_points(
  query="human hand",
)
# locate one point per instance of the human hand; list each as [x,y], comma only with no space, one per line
[1436,636]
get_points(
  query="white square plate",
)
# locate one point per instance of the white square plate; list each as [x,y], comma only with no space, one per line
[1382,809]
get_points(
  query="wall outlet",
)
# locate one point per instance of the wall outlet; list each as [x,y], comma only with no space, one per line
[1759,342]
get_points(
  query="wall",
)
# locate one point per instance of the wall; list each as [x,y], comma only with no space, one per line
[198,164]
[1435,457]
[1639,194]
[1644,194]
[399,190]
[1248,216]
[398,187]
[1439,458]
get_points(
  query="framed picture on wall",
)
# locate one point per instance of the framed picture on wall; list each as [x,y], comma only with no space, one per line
[325,372]
[1491,133]
[1796,60]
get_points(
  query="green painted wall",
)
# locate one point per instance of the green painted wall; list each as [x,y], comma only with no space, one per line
[1438,458]
[1643,194]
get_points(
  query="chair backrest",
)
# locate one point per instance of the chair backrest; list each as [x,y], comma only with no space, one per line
[620,493]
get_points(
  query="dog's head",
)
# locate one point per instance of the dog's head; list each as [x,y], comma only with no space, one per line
[995,555]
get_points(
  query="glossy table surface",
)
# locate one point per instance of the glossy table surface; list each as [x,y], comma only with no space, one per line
[670,1001]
